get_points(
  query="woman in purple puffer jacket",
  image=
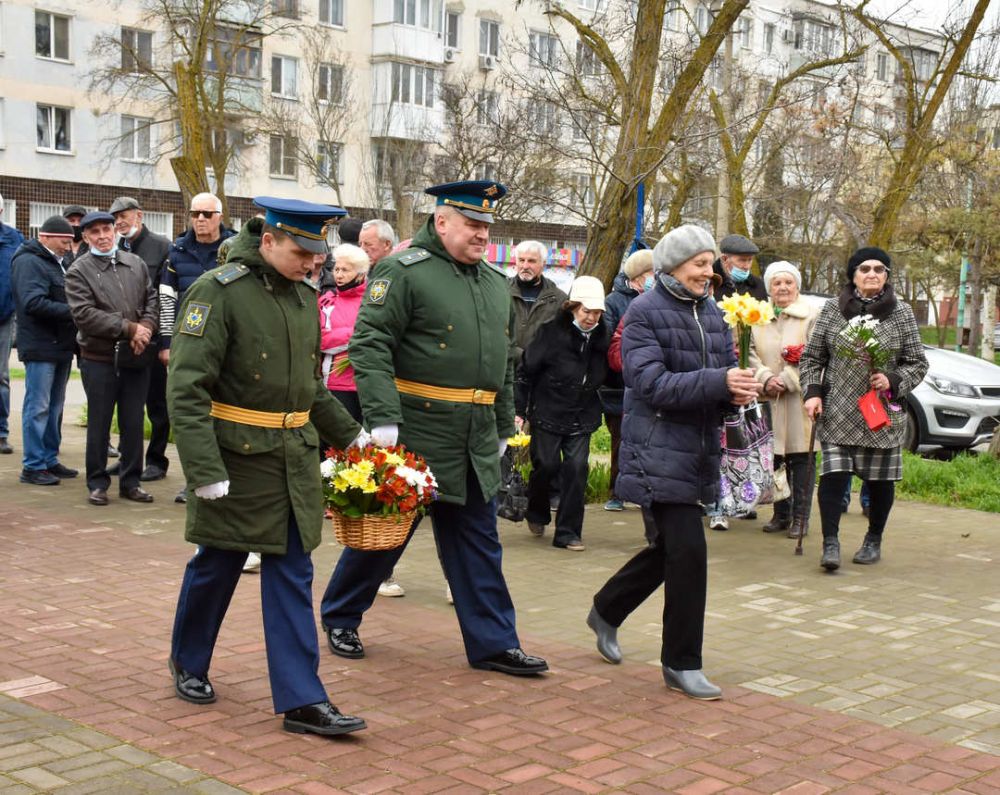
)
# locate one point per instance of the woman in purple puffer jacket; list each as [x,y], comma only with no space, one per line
[680,376]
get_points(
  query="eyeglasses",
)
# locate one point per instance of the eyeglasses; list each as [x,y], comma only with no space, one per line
[203,213]
[879,269]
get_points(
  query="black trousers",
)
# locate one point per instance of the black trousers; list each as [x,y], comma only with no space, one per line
[677,559]
[106,388]
[156,410]
[801,471]
[831,502]
[556,458]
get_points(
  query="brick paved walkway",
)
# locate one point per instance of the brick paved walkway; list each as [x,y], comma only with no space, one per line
[877,679]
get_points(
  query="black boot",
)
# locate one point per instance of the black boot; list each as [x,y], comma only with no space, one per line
[871,550]
[831,553]
[778,524]
[800,527]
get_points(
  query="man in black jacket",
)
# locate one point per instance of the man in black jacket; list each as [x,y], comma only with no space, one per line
[734,264]
[152,249]
[46,342]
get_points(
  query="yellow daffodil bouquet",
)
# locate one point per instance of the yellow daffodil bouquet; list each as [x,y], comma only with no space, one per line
[742,312]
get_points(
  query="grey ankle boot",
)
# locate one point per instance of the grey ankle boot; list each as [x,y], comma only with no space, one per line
[871,550]
[607,637]
[831,553]
[691,683]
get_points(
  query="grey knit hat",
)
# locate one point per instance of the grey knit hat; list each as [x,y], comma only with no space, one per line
[679,245]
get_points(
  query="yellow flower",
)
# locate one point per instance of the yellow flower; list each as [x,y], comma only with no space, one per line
[394,460]
[519,440]
[339,484]
[356,476]
[369,486]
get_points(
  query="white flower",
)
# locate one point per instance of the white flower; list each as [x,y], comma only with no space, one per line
[327,467]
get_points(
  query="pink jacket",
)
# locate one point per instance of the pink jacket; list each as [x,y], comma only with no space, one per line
[338,311]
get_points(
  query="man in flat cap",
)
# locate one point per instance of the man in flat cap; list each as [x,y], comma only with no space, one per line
[46,343]
[152,249]
[432,354]
[734,268]
[74,213]
[248,407]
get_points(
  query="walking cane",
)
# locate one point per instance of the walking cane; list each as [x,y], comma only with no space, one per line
[812,474]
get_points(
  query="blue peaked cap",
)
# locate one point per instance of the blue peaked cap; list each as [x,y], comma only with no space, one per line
[306,222]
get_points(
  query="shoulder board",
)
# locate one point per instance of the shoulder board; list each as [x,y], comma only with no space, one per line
[311,284]
[230,273]
[413,255]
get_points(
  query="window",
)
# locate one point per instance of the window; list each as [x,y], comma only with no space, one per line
[331,12]
[452,24]
[234,51]
[768,37]
[489,37]
[816,37]
[882,67]
[135,139]
[37,213]
[486,170]
[137,50]
[419,13]
[744,33]
[51,36]
[2,143]
[286,8]
[583,189]
[675,17]
[284,72]
[587,62]
[996,138]
[328,161]
[487,107]
[593,5]
[413,85]
[330,83]
[583,125]
[53,128]
[924,63]
[543,117]
[543,49]
[702,19]
[283,161]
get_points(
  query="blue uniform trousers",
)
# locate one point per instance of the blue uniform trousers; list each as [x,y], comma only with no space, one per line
[471,556]
[286,601]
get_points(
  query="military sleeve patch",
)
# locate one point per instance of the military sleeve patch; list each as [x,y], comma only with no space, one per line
[413,255]
[378,291]
[195,319]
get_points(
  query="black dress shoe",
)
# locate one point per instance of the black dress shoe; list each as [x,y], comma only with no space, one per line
[182,496]
[345,643]
[5,448]
[137,494]
[514,662]
[39,477]
[63,472]
[113,451]
[98,497]
[152,473]
[196,689]
[114,470]
[322,718]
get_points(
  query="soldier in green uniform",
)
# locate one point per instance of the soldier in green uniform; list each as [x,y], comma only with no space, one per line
[246,402]
[432,355]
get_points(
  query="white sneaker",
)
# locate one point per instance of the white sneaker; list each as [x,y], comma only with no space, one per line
[391,588]
[447,594]
[253,563]
[718,523]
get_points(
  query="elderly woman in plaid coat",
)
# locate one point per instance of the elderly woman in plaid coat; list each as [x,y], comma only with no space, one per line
[832,385]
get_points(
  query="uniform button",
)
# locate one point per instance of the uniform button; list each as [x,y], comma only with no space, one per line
[246,446]
[442,346]
[256,376]
[427,404]
[263,355]
[312,355]
[451,327]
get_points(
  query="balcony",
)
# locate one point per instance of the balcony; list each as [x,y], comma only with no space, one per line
[243,95]
[409,122]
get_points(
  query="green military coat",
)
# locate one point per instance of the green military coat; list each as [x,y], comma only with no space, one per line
[429,319]
[248,337]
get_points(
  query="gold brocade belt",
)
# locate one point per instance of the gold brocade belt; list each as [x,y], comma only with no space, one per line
[479,396]
[259,419]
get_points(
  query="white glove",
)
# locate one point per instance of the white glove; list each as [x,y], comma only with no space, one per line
[385,435]
[362,441]
[503,446]
[213,490]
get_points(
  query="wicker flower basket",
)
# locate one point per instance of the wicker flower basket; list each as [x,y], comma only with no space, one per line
[371,532]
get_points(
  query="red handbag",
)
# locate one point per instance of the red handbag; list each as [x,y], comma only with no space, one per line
[873,411]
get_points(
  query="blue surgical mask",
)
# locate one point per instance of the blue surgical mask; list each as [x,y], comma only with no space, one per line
[739,275]
[648,283]
[109,253]
[581,329]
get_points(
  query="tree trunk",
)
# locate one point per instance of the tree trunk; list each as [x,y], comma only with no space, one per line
[975,294]
[989,321]
[189,166]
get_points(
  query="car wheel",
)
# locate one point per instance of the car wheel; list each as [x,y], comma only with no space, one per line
[911,436]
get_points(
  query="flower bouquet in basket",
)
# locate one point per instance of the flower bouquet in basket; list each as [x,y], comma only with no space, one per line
[858,342]
[375,493]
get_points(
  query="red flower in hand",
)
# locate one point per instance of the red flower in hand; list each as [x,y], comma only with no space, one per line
[792,353]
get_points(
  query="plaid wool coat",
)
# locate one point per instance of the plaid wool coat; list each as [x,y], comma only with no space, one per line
[840,381]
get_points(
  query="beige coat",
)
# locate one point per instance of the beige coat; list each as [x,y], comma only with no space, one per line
[792,327]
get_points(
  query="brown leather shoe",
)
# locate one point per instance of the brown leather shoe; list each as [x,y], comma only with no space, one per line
[98,497]
[137,494]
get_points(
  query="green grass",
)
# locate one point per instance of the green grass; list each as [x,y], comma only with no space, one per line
[600,440]
[18,372]
[967,481]
[929,334]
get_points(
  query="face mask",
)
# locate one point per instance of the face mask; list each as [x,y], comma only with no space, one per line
[110,252]
[131,232]
[739,275]
[581,329]
[77,234]
[647,285]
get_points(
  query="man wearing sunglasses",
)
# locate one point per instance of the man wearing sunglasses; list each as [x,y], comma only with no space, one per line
[191,255]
